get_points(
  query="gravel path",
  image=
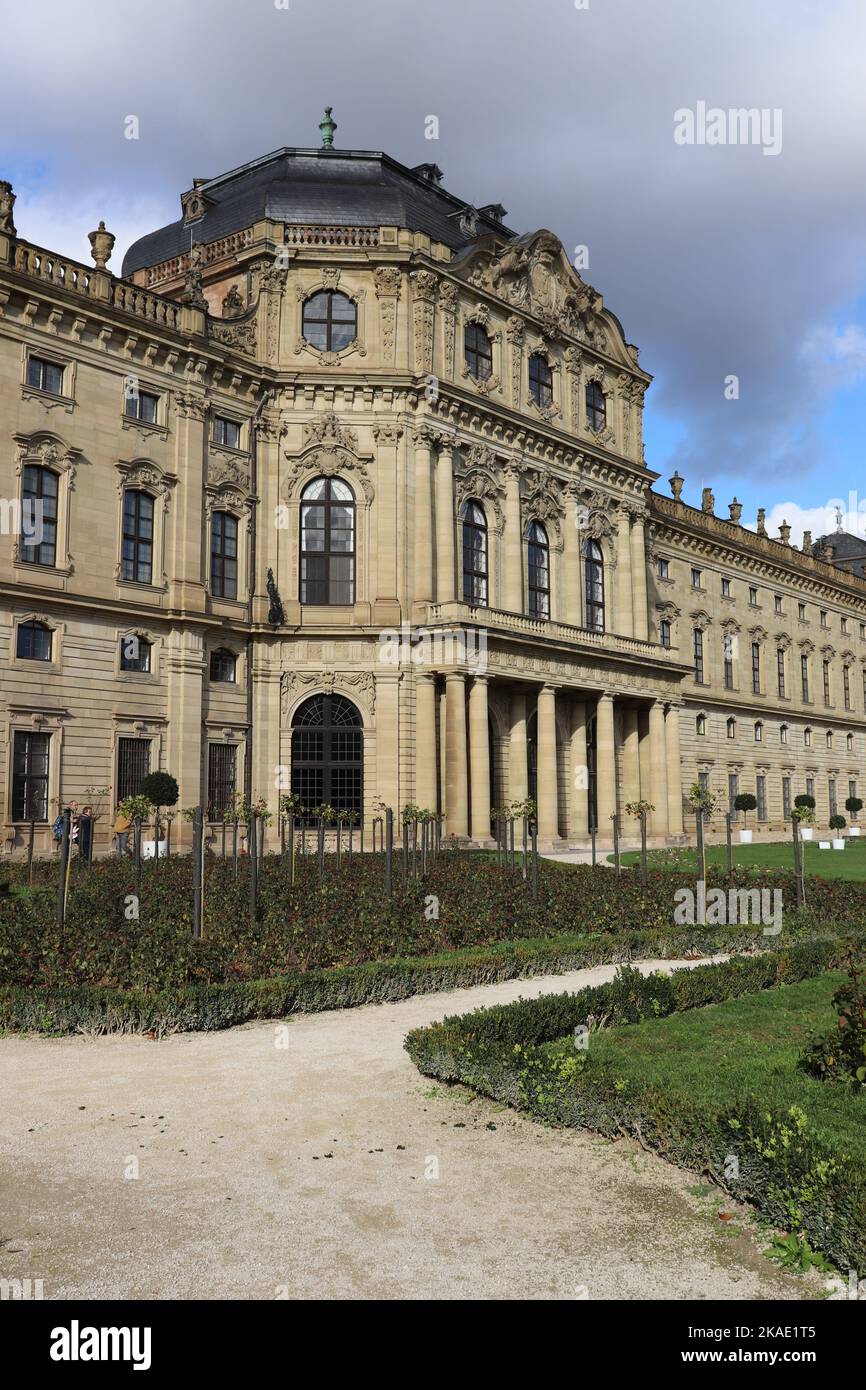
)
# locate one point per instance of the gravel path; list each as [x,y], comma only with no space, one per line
[300,1160]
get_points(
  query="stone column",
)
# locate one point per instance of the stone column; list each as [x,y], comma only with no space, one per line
[388,739]
[457,822]
[658,790]
[424,441]
[511,579]
[624,615]
[675,786]
[425,741]
[479,759]
[578,796]
[518,766]
[387,607]
[643,753]
[638,577]
[630,755]
[605,764]
[442,705]
[445,527]
[547,790]
[184,675]
[569,605]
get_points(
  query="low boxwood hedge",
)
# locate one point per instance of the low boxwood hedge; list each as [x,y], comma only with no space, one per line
[792,1176]
[67,1009]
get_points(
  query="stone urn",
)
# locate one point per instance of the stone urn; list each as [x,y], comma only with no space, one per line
[101,246]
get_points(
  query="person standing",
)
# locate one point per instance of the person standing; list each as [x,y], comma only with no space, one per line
[122,823]
[85,833]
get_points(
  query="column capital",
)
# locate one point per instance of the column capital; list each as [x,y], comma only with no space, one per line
[480,680]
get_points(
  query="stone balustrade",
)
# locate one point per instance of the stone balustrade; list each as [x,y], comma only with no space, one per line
[458,614]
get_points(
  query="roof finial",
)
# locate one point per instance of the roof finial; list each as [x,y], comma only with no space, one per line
[839,518]
[327,126]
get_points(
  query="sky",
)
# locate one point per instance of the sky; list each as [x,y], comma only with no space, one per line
[739,268]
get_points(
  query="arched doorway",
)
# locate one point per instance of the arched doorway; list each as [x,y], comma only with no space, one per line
[328,754]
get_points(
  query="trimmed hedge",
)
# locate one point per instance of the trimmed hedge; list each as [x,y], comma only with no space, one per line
[793,1178]
[223,1005]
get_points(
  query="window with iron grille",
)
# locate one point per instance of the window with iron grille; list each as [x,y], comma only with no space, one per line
[135,653]
[810,787]
[704,781]
[133,765]
[733,789]
[30,776]
[224,555]
[223,664]
[831,794]
[328,542]
[786,798]
[477,352]
[136,563]
[538,569]
[761,797]
[328,754]
[474,525]
[221,764]
[33,642]
[540,379]
[39,512]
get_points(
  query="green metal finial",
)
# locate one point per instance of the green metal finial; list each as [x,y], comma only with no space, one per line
[327,126]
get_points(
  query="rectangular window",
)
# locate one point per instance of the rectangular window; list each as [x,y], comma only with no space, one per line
[133,765]
[823,617]
[801,612]
[831,794]
[665,632]
[846,686]
[804,677]
[852,789]
[780,668]
[761,797]
[696,578]
[810,787]
[143,406]
[726,588]
[45,375]
[756,668]
[704,781]
[226,432]
[699,656]
[39,508]
[863,632]
[778,604]
[733,790]
[663,568]
[224,555]
[786,798]
[221,761]
[845,627]
[30,776]
[136,562]
[826,667]
[753,596]
[728,654]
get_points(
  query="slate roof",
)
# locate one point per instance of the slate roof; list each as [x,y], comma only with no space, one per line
[849,551]
[343,187]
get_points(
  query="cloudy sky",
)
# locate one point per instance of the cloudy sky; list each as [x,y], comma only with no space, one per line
[721,260]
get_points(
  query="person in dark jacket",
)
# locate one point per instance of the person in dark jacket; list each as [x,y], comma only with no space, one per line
[85,832]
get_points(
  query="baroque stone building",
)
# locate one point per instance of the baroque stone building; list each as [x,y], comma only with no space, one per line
[341,485]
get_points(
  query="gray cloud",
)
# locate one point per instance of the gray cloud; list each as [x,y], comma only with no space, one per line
[717,260]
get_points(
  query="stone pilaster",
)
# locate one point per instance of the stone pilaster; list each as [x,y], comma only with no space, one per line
[624,613]
[578,797]
[570,601]
[479,759]
[425,741]
[630,755]
[547,790]
[518,767]
[605,765]
[424,441]
[638,576]
[445,527]
[511,579]
[388,739]
[457,809]
[387,608]
[658,790]
[674,768]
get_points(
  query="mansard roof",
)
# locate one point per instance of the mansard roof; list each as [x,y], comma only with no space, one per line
[328,187]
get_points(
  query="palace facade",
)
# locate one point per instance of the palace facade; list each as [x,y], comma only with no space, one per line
[341,486]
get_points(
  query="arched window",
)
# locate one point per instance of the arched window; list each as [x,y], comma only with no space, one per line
[538,570]
[328,754]
[849,743]
[136,560]
[829,738]
[540,379]
[596,407]
[701,725]
[222,665]
[328,542]
[732,727]
[39,508]
[783,734]
[759,731]
[807,738]
[474,553]
[33,642]
[135,653]
[330,321]
[593,564]
[478,352]
[224,555]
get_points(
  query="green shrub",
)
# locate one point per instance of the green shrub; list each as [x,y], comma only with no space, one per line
[840,1055]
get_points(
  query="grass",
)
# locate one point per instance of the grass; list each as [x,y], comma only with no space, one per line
[723,1054]
[849,863]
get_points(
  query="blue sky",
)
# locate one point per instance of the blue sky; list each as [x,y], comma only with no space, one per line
[717,260]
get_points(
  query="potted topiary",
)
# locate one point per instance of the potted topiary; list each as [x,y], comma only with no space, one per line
[805,802]
[745,802]
[854,805]
[161,789]
[838,823]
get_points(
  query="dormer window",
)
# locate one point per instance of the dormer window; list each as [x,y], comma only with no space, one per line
[330,321]
[540,379]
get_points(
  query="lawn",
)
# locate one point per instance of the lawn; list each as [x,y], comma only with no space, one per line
[849,863]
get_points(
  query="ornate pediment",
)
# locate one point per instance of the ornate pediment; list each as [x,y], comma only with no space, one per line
[543,503]
[700,619]
[329,449]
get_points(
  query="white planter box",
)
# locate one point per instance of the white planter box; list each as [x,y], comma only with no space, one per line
[823,844]
[806,832]
[838,844]
[854,831]
[148,849]
[745,837]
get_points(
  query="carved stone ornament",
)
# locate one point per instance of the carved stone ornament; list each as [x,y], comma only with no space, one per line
[243,337]
[329,450]
[701,620]
[388,279]
[7,203]
[296,684]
